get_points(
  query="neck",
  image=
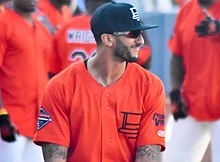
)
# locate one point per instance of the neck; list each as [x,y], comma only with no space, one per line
[105,71]
[56,4]
[26,15]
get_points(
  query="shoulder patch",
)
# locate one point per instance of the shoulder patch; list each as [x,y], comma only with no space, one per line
[43,119]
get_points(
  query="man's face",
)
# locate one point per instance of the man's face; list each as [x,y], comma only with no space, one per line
[127,48]
[26,5]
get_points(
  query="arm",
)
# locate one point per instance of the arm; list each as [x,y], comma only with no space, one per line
[178,107]
[54,153]
[7,130]
[149,153]
[176,72]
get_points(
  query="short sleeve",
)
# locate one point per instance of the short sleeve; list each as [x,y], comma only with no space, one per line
[174,42]
[53,123]
[151,131]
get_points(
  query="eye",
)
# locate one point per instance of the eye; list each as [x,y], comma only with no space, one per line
[129,34]
[134,34]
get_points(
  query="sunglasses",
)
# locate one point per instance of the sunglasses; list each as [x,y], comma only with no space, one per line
[129,34]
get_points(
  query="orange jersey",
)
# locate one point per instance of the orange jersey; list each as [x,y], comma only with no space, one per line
[23,69]
[108,122]
[56,18]
[73,42]
[201,61]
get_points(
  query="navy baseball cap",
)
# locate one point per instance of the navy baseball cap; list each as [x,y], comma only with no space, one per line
[116,17]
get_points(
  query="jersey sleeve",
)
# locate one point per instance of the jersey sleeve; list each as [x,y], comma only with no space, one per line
[174,42]
[53,123]
[151,131]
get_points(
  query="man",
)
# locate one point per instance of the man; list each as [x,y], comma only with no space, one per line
[24,46]
[195,85]
[105,108]
[58,12]
[75,41]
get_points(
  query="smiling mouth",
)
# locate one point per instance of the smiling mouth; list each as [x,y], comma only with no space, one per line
[135,48]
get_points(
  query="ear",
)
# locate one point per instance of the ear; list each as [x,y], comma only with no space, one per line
[107,39]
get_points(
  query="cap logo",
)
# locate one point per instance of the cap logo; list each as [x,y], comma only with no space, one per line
[135,15]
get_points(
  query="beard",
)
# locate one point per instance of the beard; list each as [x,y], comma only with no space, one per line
[25,8]
[206,3]
[124,53]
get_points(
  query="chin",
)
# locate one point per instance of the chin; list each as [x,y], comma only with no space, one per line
[132,59]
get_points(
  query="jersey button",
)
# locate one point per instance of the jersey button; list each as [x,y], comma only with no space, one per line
[107,108]
[109,140]
[108,94]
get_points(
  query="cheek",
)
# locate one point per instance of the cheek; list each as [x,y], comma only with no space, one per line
[121,49]
[124,45]
[126,41]
[140,40]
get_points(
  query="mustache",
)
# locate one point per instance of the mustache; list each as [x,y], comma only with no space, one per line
[138,45]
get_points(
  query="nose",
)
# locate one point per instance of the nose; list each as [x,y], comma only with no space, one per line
[140,39]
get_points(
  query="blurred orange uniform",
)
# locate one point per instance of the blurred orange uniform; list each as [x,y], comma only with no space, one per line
[181,45]
[56,18]
[23,69]
[73,42]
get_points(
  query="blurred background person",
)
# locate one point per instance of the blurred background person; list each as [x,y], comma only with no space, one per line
[195,86]
[24,59]
[75,41]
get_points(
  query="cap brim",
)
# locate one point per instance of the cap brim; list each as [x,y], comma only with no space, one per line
[141,27]
[146,27]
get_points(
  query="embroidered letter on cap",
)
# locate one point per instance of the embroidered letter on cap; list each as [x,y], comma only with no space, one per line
[135,15]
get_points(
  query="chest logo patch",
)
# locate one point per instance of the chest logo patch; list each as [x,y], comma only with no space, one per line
[130,124]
